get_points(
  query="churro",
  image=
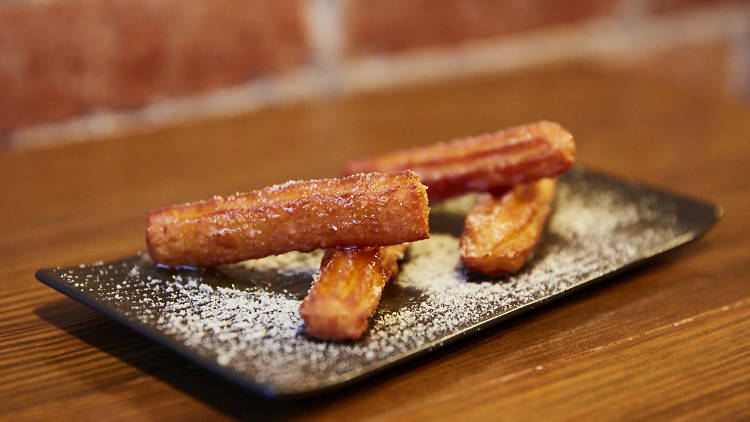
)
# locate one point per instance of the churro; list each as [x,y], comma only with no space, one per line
[347,290]
[501,231]
[487,162]
[359,210]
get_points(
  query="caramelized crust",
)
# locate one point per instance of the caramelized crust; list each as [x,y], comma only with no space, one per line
[359,210]
[501,231]
[482,163]
[347,290]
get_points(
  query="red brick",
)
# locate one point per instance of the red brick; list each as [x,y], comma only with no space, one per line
[668,6]
[63,58]
[396,25]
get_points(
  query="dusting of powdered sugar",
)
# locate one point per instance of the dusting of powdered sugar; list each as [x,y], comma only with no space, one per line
[244,317]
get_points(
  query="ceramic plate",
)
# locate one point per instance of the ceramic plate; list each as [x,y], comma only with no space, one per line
[241,321]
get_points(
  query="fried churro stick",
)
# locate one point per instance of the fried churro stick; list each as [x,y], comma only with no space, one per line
[488,162]
[347,290]
[359,210]
[349,284]
[501,231]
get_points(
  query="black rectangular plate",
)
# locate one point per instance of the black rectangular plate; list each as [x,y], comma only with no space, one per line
[241,321]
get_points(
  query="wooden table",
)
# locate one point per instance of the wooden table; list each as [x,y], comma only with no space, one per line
[671,339]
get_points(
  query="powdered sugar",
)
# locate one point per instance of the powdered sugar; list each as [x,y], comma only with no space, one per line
[244,317]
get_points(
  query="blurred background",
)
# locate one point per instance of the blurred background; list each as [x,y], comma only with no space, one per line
[83,69]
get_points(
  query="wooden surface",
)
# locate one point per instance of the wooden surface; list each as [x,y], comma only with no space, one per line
[671,339]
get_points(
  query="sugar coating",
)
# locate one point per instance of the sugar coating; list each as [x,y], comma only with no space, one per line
[246,317]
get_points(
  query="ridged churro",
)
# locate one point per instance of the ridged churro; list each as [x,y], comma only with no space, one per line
[487,162]
[359,210]
[501,231]
[347,290]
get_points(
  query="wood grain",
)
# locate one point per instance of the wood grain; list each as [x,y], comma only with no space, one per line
[671,340]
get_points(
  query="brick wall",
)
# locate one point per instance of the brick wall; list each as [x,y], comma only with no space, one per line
[394,26]
[77,68]
[63,58]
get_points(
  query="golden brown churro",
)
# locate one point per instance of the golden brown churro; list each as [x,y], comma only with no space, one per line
[359,210]
[495,163]
[347,290]
[501,231]
[488,162]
